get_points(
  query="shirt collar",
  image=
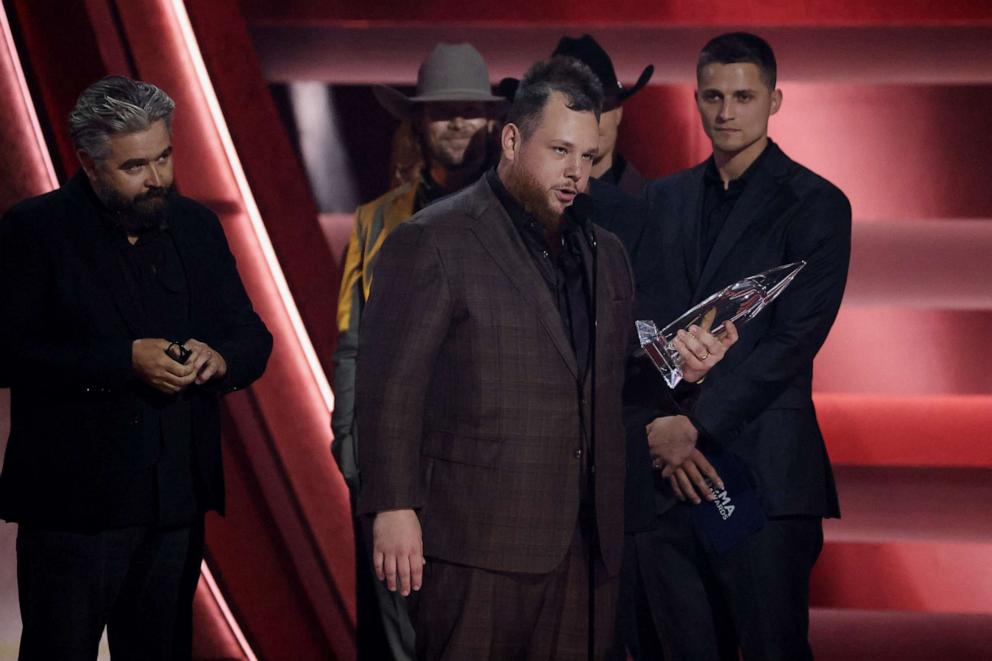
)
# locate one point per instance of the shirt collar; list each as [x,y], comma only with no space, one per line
[712,175]
[523,220]
[520,217]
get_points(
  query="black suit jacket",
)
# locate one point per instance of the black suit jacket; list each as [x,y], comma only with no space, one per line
[645,394]
[68,321]
[757,403]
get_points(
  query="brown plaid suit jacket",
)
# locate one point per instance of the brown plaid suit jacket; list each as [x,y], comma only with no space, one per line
[467,396]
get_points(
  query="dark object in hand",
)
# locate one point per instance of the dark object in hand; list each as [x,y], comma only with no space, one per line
[178,352]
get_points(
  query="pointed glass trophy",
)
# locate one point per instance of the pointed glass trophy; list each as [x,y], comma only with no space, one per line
[739,303]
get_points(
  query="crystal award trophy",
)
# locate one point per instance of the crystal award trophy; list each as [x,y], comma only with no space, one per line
[740,302]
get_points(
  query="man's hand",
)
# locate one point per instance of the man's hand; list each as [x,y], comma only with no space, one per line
[701,350]
[157,369]
[207,363]
[688,480]
[398,550]
[671,439]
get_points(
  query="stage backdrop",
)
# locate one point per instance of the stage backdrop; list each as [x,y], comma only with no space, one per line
[888,100]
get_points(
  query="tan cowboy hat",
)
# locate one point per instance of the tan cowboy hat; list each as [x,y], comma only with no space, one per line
[452,72]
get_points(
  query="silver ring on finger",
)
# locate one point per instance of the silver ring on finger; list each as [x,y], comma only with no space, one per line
[706,354]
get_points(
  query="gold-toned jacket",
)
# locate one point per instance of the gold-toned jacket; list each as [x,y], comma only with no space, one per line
[373,223]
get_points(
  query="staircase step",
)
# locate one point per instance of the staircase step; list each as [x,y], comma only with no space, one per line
[894,430]
[911,539]
[864,635]
[880,504]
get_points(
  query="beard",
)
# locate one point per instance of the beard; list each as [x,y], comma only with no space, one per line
[474,155]
[137,215]
[534,199]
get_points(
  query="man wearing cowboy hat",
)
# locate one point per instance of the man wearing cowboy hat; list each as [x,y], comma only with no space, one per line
[610,166]
[453,115]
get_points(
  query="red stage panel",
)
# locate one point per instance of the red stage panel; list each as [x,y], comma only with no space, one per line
[271,167]
[362,54]
[848,635]
[21,140]
[878,430]
[660,130]
[934,264]
[906,351]
[910,539]
[914,504]
[53,34]
[215,637]
[899,152]
[721,13]
[929,577]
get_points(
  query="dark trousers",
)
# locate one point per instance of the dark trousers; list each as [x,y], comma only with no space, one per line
[138,582]
[637,630]
[469,613]
[705,606]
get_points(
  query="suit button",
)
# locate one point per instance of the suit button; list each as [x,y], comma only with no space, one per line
[578,453]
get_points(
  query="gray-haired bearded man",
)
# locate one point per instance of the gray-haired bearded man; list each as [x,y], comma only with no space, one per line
[123,321]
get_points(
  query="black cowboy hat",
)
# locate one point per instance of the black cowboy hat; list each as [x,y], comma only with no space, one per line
[586,50]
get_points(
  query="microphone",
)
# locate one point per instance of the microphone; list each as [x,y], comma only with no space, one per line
[580,214]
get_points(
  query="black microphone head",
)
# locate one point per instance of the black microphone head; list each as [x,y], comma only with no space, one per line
[581,212]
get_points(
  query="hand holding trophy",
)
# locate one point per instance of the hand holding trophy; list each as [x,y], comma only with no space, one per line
[738,303]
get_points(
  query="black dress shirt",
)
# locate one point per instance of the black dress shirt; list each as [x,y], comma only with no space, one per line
[561,267]
[164,494]
[718,202]
[428,191]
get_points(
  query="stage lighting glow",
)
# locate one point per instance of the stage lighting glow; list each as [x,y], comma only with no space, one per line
[29,113]
[251,208]
[208,579]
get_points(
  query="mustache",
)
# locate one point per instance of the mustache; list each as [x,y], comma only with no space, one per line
[154,193]
[464,132]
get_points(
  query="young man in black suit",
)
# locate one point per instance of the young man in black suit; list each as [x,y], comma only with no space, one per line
[746,209]
[123,321]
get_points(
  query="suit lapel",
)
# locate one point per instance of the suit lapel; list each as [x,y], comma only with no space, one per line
[400,208]
[760,193]
[98,246]
[499,238]
[691,234]
[598,282]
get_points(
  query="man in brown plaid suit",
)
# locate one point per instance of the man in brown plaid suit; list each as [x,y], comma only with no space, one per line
[474,390]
